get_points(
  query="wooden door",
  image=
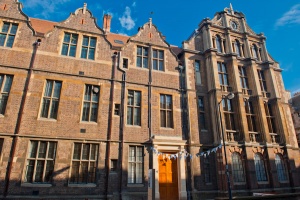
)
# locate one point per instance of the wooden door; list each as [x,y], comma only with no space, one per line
[168,178]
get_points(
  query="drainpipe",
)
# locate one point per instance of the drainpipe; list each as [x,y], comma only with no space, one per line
[122,124]
[36,44]
[110,117]
[150,107]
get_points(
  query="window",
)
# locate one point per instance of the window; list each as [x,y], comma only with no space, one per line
[84,160]
[270,118]
[243,77]
[262,80]
[90,103]
[69,44]
[237,168]
[260,168]
[113,165]
[166,111]
[250,116]
[201,113]
[88,47]
[229,114]
[237,47]
[281,169]
[219,44]
[142,57]
[197,72]
[134,108]
[51,99]
[1,146]
[125,63]
[254,51]
[207,170]
[117,109]
[223,75]
[5,85]
[40,162]
[158,60]
[8,34]
[135,164]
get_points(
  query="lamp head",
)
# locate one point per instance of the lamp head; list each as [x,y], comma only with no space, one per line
[230,95]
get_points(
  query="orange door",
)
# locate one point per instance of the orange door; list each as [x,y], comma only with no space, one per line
[168,181]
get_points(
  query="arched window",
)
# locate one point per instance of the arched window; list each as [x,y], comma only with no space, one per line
[260,169]
[237,168]
[219,44]
[281,170]
[254,51]
[237,48]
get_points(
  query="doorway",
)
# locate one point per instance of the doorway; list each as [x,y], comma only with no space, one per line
[168,178]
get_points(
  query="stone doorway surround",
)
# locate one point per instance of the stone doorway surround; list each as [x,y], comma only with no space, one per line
[170,144]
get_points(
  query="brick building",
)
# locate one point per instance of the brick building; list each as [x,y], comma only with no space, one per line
[295,108]
[86,113]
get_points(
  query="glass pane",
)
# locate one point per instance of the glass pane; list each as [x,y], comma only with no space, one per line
[139,154]
[93,42]
[54,109]
[52,150]
[67,37]
[161,55]
[64,50]
[13,29]
[162,101]
[219,67]
[92,54]
[7,85]
[221,79]
[197,66]
[139,62]
[129,115]
[202,121]
[57,87]
[75,172]
[49,170]
[10,41]
[45,108]
[29,171]
[3,102]
[95,94]
[145,51]
[137,116]
[5,27]
[130,97]
[131,171]
[74,38]
[139,173]
[2,39]
[88,91]
[155,54]
[39,171]
[48,89]
[85,41]
[42,150]
[132,154]
[77,151]
[86,111]
[168,102]
[139,50]
[84,52]
[94,112]
[169,119]
[94,152]
[161,65]
[224,68]
[85,152]
[163,118]
[225,79]
[33,149]
[137,98]
[155,67]
[145,62]
[72,51]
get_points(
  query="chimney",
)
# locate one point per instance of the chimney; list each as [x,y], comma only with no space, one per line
[106,23]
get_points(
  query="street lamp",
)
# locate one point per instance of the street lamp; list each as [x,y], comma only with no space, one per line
[228,96]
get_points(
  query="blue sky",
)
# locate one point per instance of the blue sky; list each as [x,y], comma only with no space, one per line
[279,20]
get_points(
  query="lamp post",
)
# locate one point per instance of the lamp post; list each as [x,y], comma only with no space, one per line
[229,96]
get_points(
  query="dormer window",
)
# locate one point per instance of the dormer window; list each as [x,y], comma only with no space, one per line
[8,34]
[69,44]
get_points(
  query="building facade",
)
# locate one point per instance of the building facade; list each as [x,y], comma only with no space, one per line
[86,113]
[295,109]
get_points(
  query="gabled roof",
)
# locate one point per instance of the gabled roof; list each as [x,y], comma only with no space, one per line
[42,27]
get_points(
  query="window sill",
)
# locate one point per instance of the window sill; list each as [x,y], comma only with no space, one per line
[133,126]
[262,182]
[135,185]
[36,185]
[167,128]
[283,181]
[240,183]
[85,122]
[47,119]
[82,185]
[204,130]
[208,183]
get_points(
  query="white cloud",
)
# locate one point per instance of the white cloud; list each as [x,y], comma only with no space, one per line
[290,17]
[133,4]
[47,7]
[126,21]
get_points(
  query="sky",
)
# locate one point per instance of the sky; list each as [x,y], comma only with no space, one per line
[279,20]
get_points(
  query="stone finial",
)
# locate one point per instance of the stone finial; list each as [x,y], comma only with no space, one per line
[231,9]
[84,7]
[150,22]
